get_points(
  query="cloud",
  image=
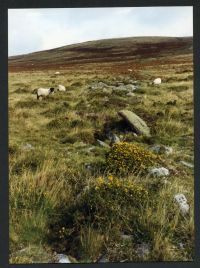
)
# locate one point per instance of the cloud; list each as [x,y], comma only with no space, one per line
[39,29]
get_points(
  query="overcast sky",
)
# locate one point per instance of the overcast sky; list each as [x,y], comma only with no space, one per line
[32,30]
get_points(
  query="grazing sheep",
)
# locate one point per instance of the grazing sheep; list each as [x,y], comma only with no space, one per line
[43,92]
[157,81]
[57,72]
[61,88]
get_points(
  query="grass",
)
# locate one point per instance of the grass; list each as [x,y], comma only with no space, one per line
[52,184]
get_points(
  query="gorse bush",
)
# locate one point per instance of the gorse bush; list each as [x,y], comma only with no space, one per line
[111,199]
[125,157]
[107,204]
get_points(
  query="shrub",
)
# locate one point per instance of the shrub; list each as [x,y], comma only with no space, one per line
[125,157]
[111,199]
[108,203]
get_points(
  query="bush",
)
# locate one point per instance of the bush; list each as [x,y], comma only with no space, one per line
[111,199]
[108,203]
[125,157]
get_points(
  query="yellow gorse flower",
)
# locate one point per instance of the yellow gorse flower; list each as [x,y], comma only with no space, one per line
[124,156]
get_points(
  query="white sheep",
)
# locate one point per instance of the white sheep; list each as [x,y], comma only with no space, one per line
[57,72]
[61,88]
[157,81]
[43,92]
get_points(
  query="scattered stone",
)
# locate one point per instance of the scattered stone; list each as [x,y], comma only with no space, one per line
[162,149]
[57,72]
[159,172]
[126,237]
[103,144]
[157,81]
[107,90]
[81,144]
[181,245]
[183,204]
[137,124]
[85,189]
[27,147]
[103,259]
[131,87]
[113,137]
[63,258]
[187,164]
[122,88]
[90,149]
[61,88]
[133,82]
[142,250]
[120,84]
[130,94]
[88,166]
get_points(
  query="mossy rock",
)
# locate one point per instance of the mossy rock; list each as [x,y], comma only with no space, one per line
[136,123]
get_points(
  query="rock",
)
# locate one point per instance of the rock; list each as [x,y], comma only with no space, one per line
[27,147]
[81,144]
[113,137]
[61,88]
[133,82]
[131,87]
[90,149]
[142,250]
[102,85]
[120,84]
[126,237]
[187,164]
[130,94]
[157,81]
[103,259]
[122,88]
[85,189]
[137,124]
[88,166]
[183,204]
[98,85]
[107,90]
[63,258]
[161,149]
[103,144]
[159,172]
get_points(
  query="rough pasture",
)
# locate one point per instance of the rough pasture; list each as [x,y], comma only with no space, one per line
[58,168]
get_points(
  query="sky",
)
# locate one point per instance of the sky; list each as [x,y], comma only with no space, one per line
[31,30]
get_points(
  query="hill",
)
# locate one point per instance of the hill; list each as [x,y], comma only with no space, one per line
[104,51]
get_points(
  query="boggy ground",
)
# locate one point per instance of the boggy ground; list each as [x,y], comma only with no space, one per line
[54,182]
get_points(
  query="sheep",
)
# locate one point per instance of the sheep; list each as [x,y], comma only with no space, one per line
[61,88]
[43,92]
[157,81]
[57,72]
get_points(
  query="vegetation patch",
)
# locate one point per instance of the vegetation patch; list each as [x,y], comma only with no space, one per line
[126,157]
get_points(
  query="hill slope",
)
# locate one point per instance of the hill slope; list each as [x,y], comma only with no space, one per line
[108,50]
